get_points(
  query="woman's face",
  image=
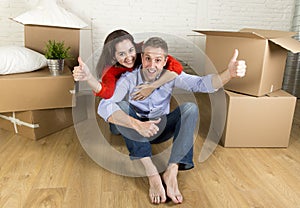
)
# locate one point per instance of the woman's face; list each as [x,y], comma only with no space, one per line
[125,53]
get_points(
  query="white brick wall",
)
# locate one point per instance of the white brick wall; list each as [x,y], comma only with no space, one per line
[11,33]
[235,14]
[176,17]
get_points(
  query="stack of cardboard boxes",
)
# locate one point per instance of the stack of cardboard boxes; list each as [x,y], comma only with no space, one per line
[259,113]
[37,104]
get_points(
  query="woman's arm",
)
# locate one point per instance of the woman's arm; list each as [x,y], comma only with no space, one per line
[94,84]
[105,88]
[109,79]
[82,73]
[174,65]
[174,68]
[108,86]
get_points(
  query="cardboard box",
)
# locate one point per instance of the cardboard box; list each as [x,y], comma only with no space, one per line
[37,36]
[37,124]
[80,40]
[264,51]
[259,121]
[36,90]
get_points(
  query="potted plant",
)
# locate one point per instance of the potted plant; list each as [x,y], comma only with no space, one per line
[56,52]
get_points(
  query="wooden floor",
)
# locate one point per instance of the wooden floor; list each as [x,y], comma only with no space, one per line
[56,172]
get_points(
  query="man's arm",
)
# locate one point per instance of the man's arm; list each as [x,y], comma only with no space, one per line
[146,129]
[109,110]
[107,107]
[212,82]
[236,68]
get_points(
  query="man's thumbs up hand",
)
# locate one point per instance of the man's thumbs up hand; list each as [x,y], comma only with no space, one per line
[237,68]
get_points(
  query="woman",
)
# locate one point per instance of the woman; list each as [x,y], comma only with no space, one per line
[119,55]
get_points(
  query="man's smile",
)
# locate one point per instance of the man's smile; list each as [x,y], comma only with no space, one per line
[151,70]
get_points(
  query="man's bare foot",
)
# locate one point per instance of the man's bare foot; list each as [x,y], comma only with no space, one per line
[170,179]
[156,191]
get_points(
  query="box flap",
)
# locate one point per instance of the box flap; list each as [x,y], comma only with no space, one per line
[238,95]
[287,43]
[230,34]
[268,34]
[249,33]
[281,38]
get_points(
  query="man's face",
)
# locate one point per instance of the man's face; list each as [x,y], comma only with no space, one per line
[153,61]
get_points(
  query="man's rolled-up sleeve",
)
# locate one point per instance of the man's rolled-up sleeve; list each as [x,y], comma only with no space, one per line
[195,83]
[108,106]
[106,109]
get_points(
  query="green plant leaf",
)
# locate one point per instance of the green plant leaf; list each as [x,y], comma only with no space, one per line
[57,50]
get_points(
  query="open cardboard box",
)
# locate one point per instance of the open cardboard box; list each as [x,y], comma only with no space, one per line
[49,21]
[37,36]
[258,121]
[265,53]
[36,90]
[79,40]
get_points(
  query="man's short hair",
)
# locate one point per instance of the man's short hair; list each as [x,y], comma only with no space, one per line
[156,42]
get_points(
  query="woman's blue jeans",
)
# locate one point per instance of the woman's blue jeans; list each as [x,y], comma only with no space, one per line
[179,124]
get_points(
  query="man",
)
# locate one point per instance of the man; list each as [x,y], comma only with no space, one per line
[148,121]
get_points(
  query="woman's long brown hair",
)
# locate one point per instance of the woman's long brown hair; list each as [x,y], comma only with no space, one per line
[107,57]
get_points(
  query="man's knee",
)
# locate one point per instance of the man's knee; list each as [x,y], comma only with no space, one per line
[190,109]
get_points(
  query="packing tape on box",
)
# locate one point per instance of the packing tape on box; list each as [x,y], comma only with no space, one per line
[16,122]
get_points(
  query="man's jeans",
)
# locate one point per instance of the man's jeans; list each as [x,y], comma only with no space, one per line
[179,124]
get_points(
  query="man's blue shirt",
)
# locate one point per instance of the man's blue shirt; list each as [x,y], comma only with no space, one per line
[158,103]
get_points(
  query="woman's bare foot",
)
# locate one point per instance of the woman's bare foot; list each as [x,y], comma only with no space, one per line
[170,179]
[156,191]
